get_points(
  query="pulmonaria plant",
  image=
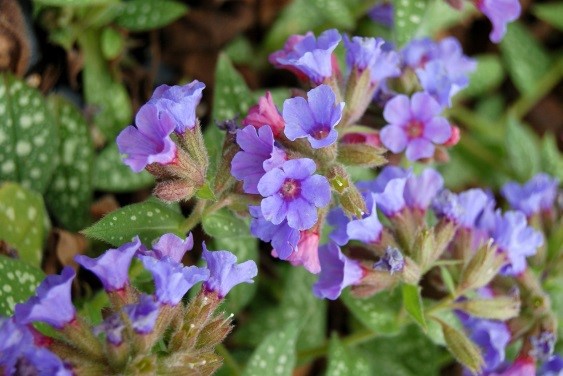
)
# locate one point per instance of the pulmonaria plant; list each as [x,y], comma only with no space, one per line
[124,343]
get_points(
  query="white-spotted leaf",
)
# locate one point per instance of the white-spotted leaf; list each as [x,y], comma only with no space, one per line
[343,362]
[523,150]
[18,281]
[276,354]
[408,17]
[144,15]
[149,220]
[112,175]
[28,135]
[224,224]
[23,221]
[378,313]
[69,195]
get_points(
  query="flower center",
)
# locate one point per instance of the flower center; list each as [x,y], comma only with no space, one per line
[321,132]
[290,189]
[414,128]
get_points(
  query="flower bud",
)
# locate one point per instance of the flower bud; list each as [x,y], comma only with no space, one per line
[192,142]
[482,268]
[374,281]
[462,348]
[411,272]
[174,190]
[361,155]
[359,94]
[498,308]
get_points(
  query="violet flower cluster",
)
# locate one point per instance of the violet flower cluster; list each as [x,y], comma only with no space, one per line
[124,340]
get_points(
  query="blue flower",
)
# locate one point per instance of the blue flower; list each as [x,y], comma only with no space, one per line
[538,194]
[225,273]
[112,267]
[283,238]
[292,192]
[314,118]
[143,315]
[369,53]
[392,261]
[52,303]
[170,245]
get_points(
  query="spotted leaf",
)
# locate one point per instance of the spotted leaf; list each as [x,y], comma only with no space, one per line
[143,15]
[18,281]
[23,222]
[28,135]
[70,192]
[342,362]
[149,220]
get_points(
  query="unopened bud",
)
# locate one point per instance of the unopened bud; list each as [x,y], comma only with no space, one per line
[498,308]
[192,142]
[351,199]
[482,268]
[370,138]
[411,272]
[359,94]
[461,347]
[373,282]
[454,137]
[361,155]
[424,249]
[174,190]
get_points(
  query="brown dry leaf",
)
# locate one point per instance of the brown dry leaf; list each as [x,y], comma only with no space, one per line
[14,44]
[102,206]
[62,246]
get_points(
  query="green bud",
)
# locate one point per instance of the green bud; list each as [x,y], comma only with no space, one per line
[79,334]
[462,348]
[498,308]
[174,190]
[481,269]
[411,271]
[359,94]
[361,155]
[191,141]
[373,282]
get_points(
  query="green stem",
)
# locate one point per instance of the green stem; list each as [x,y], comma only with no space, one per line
[230,362]
[351,340]
[194,218]
[440,306]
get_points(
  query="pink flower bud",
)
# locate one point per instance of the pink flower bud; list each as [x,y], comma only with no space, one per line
[265,113]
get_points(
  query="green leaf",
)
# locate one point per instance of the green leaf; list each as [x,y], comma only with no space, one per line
[412,301]
[18,281]
[408,354]
[379,312]
[28,135]
[224,224]
[276,354]
[112,43]
[149,220]
[70,192]
[447,279]
[487,77]
[92,308]
[551,157]
[297,303]
[245,248]
[22,221]
[231,98]
[408,17]
[440,16]
[342,362]
[71,3]
[552,13]
[108,97]
[143,15]
[525,59]
[522,149]
[112,175]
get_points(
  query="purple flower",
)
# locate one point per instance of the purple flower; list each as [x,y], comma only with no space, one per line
[420,190]
[308,56]
[112,327]
[513,236]
[170,245]
[52,303]
[543,345]
[171,279]
[463,209]
[148,142]
[391,200]
[382,13]
[366,229]
[179,102]
[392,261]
[536,195]
[258,155]
[225,273]
[491,336]
[283,238]
[414,124]
[368,53]
[337,272]
[500,13]
[553,367]
[14,338]
[441,67]
[143,315]
[112,267]
[314,118]
[292,192]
